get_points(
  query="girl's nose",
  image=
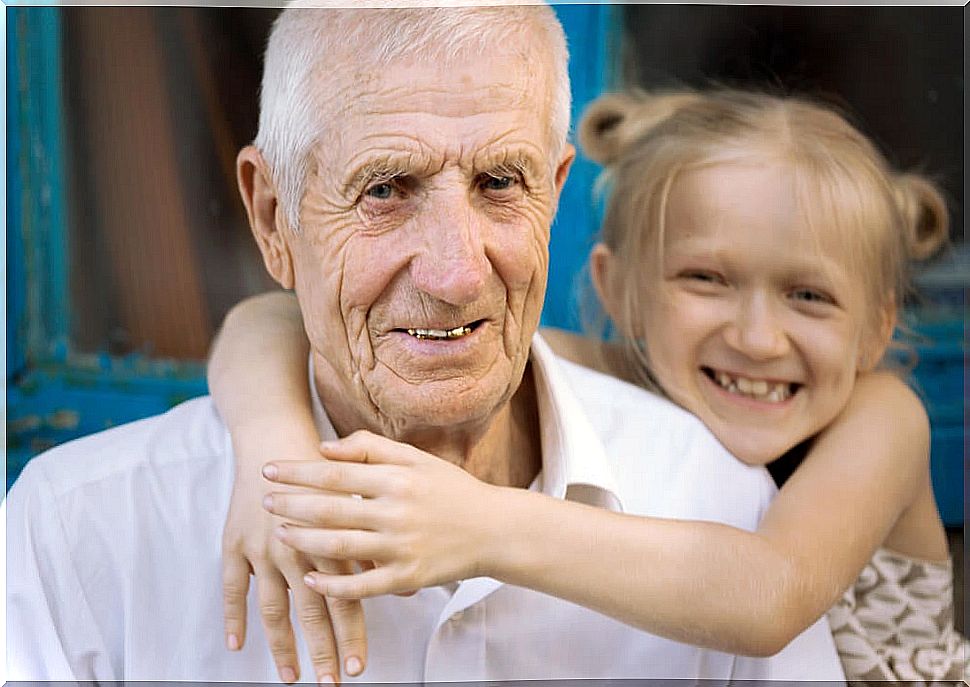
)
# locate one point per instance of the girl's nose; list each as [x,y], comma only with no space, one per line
[757,331]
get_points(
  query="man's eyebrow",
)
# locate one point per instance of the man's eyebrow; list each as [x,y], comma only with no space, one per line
[378,169]
[509,161]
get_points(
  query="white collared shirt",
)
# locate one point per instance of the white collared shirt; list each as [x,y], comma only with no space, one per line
[114,555]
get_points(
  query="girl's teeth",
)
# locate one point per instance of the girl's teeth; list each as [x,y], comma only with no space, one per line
[758,389]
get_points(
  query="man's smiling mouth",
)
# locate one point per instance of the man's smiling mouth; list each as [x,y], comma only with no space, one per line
[442,334]
[757,389]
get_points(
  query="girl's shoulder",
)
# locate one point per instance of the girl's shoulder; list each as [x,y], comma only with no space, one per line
[885,397]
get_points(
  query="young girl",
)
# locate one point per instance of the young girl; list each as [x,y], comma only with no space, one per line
[752,264]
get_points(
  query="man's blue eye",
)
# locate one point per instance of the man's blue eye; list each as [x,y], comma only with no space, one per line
[380,191]
[497,183]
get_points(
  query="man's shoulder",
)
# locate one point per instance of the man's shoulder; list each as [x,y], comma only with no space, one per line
[190,433]
[666,462]
[610,402]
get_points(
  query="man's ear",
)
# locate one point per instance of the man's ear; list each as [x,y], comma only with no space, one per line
[262,208]
[602,272]
[562,171]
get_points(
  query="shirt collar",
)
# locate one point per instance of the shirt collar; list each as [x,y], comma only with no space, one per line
[320,418]
[574,462]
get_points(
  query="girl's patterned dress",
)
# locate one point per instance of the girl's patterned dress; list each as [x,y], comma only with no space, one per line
[896,623]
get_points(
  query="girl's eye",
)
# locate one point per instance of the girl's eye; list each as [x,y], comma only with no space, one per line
[812,296]
[703,276]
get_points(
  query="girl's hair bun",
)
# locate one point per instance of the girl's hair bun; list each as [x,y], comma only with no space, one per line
[925,214]
[614,121]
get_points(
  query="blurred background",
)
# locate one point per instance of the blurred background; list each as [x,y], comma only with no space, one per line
[127,242]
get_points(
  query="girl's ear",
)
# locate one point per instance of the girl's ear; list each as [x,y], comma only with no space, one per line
[874,347]
[603,273]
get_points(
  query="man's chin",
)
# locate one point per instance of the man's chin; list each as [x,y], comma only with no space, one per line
[440,407]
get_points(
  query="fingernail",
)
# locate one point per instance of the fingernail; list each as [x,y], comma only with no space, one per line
[268,502]
[354,666]
[308,580]
[270,471]
[288,675]
[328,445]
[326,680]
[280,532]
[232,643]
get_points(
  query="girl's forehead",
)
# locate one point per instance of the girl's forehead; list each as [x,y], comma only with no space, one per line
[828,208]
[763,210]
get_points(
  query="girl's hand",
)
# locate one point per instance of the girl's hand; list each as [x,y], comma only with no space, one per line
[422,520]
[333,628]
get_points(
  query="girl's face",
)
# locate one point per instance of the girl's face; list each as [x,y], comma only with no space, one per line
[751,321]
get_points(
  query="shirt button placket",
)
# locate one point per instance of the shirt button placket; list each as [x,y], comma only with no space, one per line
[456,651]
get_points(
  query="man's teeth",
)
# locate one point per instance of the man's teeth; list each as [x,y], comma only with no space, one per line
[757,389]
[438,334]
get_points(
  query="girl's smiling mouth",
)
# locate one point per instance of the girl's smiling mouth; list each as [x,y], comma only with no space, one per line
[763,390]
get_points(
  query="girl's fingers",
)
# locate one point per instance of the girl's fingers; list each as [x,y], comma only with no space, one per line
[370,565]
[366,447]
[235,587]
[350,632]
[326,475]
[323,510]
[318,631]
[274,607]
[347,618]
[373,582]
[342,545]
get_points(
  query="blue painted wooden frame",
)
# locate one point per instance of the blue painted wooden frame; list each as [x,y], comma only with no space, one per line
[592,33]
[55,393]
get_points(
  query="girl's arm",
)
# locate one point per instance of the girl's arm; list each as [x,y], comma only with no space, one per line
[701,583]
[425,521]
[258,378]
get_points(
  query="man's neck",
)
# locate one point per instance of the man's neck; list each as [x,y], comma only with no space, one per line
[504,449]
[509,453]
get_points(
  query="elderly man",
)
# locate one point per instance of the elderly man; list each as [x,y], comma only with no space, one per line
[403,182]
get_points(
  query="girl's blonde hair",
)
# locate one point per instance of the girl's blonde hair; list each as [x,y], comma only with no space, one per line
[646,139]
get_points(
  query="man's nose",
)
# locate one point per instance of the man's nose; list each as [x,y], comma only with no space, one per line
[452,264]
[757,331]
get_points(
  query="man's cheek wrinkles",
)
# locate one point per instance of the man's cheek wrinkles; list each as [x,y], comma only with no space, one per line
[539,216]
[324,205]
[383,221]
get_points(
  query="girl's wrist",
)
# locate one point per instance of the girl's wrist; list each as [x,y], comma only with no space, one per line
[503,534]
[274,437]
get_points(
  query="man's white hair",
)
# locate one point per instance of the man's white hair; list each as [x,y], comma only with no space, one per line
[302,41]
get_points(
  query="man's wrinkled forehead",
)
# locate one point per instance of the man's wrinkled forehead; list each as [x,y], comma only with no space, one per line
[362,86]
[363,60]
